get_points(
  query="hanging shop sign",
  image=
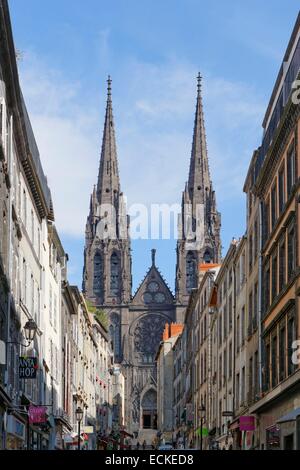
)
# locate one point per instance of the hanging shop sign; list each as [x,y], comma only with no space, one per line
[37,414]
[247,423]
[227,413]
[28,367]
[88,429]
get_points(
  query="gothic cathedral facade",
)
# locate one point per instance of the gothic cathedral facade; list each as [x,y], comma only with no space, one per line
[136,322]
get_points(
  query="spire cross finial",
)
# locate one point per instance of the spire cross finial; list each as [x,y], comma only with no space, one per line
[153,251]
[199,78]
[108,86]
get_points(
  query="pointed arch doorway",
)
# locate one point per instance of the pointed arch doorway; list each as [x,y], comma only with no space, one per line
[149,409]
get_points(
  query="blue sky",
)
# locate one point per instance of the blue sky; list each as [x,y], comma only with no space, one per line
[153,51]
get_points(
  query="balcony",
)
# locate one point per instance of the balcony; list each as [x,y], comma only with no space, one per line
[63,417]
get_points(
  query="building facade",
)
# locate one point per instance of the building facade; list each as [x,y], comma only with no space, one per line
[275,181]
[137,321]
[254,312]
[34,287]
[165,380]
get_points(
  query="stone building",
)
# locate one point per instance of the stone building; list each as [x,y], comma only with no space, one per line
[165,380]
[27,209]
[251,397]
[205,374]
[5,204]
[34,287]
[137,321]
[179,359]
[275,182]
[200,366]
[223,352]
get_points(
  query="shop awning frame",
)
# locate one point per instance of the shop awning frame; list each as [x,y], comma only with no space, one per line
[291,416]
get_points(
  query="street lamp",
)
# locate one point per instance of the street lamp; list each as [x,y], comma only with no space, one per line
[30,330]
[79,416]
[201,410]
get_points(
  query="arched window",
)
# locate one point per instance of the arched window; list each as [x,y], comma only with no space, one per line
[191,271]
[114,332]
[207,257]
[114,274]
[98,274]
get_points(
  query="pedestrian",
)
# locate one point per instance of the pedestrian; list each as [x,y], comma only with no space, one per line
[144,444]
[138,445]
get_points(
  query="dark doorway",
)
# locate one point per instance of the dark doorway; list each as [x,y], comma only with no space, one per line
[289,442]
[146,420]
[149,420]
[149,412]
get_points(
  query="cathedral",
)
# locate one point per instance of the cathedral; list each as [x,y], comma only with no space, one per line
[136,321]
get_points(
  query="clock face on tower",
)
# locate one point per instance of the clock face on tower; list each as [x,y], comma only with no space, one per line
[153,286]
[159,297]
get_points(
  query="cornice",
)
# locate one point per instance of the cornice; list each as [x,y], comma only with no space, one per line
[284,130]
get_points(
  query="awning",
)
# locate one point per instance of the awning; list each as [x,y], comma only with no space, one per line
[234,425]
[69,437]
[72,437]
[4,398]
[126,433]
[291,416]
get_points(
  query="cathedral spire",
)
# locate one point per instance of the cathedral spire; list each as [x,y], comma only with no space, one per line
[199,225]
[108,186]
[199,178]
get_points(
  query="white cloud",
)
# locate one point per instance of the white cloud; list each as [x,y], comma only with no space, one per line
[154,116]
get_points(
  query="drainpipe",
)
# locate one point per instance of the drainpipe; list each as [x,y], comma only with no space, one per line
[9,267]
[233,337]
[9,247]
[233,346]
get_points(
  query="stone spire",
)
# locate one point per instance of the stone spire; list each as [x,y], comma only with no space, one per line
[199,178]
[199,222]
[108,186]
[107,257]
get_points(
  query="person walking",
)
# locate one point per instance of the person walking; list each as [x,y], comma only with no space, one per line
[137,445]
[144,445]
